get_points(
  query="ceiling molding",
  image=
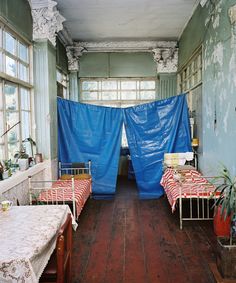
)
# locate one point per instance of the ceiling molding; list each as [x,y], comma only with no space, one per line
[124,46]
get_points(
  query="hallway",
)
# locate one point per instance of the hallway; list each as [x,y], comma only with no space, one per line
[134,241]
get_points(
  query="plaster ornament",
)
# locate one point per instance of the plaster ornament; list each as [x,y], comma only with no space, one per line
[232,14]
[73,54]
[166,59]
[47,21]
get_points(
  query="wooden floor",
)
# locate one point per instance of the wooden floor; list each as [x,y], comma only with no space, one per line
[138,241]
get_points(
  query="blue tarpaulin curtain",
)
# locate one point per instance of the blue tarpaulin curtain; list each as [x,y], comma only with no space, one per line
[153,129]
[89,132]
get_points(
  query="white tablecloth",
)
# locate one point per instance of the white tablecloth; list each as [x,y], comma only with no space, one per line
[27,240]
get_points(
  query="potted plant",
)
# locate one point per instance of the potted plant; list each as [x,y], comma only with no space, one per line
[226,201]
[22,158]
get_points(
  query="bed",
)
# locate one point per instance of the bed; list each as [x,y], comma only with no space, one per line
[74,187]
[183,183]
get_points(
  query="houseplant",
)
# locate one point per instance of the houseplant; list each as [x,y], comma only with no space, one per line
[226,201]
[22,158]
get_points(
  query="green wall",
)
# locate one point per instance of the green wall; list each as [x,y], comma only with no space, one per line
[117,65]
[219,82]
[18,14]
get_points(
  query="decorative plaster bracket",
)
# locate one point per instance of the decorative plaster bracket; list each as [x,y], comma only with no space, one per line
[232,14]
[47,20]
[73,54]
[166,59]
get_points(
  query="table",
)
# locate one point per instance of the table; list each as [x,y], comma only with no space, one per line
[27,239]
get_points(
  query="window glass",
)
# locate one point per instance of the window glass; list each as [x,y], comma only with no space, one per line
[147,95]
[109,85]
[25,125]
[10,43]
[23,52]
[12,149]
[23,73]
[11,98]
[128,95]
[11,66]
[1,127]
[90,85]
[89,95]
[25,99]
[127,85]
[109,95]
[147,85]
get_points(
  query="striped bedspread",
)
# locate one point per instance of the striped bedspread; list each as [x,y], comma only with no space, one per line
[82,193]
[189,183]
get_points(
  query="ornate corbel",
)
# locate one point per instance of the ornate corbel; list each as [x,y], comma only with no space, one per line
[166,59]
[73,54]
[47,20]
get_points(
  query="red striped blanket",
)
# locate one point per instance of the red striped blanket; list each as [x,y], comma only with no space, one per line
[82,193]
[188,183]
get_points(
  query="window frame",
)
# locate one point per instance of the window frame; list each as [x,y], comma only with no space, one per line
[17,82]
[119,102]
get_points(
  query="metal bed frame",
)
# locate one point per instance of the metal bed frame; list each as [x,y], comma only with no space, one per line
[42,185]
[202,205]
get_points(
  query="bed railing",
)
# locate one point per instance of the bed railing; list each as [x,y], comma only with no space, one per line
[43,192]
[75,168]
[200,196]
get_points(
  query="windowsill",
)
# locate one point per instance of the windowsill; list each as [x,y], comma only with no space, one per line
[20,177]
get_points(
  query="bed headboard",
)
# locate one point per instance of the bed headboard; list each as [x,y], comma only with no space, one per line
[74,168]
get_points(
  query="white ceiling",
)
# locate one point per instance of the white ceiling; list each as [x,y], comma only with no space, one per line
[99,20]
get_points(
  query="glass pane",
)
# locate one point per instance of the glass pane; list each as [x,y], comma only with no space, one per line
[90,85]
[25,125]
[147,85]
[90,95]
[128,95]
[24,73]
[10,66]
[147,95]
[59,76]
[2,153]
[128,85]
[10,43]
[1,66]
[12,149]
[109,95]
[1,128]
[11,97]
[11,119]
[25,99]
[23,52]
[109,85]
[13,135]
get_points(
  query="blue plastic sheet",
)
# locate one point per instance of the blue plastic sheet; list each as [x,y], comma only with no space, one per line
[154,129]
[89,132]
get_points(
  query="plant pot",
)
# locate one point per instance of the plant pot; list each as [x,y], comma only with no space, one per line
[226,258]
[221,225]
[23,164]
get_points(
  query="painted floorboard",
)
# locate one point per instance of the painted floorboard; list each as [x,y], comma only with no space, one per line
[127,240]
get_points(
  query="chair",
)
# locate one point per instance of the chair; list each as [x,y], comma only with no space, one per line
[58,268]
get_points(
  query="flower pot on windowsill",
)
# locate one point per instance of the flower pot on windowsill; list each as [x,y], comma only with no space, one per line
[23,164]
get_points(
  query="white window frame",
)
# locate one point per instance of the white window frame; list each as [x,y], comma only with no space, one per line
[119,102]
[17,82]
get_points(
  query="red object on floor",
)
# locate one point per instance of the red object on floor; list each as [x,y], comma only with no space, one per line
[221,225]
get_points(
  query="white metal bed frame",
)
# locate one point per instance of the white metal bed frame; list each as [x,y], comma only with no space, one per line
[42,185]
[203,206]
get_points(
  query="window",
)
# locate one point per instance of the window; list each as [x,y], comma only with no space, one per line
[118,93]
[191,75]
[15,93]
[62,85]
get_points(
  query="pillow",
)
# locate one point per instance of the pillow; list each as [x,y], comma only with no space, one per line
[82,176]
[65,177]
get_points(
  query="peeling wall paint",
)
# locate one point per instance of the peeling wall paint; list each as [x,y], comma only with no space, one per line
[219,83]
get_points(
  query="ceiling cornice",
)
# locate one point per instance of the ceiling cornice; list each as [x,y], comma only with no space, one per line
[123,46]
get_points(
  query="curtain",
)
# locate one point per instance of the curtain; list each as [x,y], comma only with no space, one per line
[89,132]
[154,129]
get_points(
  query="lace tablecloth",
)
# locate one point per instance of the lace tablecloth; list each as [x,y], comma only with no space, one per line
[27,240]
